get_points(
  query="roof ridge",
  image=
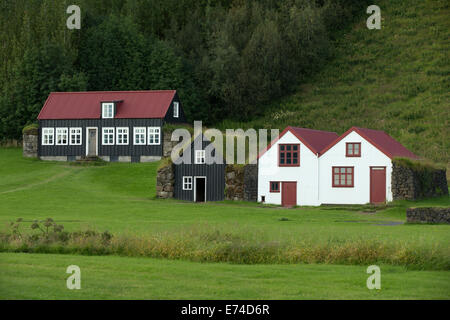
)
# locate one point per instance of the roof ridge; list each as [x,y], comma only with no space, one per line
[125,91]
[316,130]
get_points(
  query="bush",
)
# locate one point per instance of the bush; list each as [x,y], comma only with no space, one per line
[213,245]
[31,129]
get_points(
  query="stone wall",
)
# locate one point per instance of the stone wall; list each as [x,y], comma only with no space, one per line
[234,182]
[167,143]
[428,215]
[251,182]
[419,181]
[241,182]
[165,180]
[30,145]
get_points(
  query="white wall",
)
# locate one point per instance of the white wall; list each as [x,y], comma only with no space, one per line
[306,175]
[360,193]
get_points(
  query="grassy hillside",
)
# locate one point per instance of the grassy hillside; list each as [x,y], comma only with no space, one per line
[394,79]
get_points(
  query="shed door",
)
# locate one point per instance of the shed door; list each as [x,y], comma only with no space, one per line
[92,142]
[378,184]
[289,194]
[200,189]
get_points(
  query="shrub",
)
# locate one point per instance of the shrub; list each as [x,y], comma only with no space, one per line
[31,129]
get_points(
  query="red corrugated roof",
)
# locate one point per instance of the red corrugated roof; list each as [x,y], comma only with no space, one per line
[381,140]
[86,105]
[315,140]
[321,141]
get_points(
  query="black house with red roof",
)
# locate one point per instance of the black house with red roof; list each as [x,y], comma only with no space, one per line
[114,125]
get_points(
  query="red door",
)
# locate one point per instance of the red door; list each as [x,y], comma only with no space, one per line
[377,184]
[289,194]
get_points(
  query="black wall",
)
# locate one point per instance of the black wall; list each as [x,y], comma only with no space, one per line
[215,178]
[103,150]
[169,115]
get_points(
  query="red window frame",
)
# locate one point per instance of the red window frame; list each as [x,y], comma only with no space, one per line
[278,186]
[353,148]
[345,174]
[284,154]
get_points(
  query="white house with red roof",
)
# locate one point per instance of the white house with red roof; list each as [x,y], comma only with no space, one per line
[312,167]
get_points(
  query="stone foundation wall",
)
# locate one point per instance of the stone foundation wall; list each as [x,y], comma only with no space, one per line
[165,180]
[241,182]
[30,145]
[428,215]
[414,183]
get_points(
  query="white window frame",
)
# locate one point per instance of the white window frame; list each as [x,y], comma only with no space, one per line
[176,109]
[155,132]
[200,156]
[47,133]
[106,114]
[187,182]
[73,133]
[65,132]
[108,133]
[140,133]
[125,132]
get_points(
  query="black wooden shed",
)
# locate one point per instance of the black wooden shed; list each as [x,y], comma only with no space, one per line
[203,179]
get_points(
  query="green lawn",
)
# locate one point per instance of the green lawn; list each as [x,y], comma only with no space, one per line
[33,276]
[119,197]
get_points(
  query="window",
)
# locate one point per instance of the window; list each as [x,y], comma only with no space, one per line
[75,136]
[154,134]
[48,136]
[199,156]
[61,136]
[187,183]
[108,136]
[289,155]
[274,186]
[107,110]
[353,149]
[176,109]
[139,135]
[343,176]
[122,136]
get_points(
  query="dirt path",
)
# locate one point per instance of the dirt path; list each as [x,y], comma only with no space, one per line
[32,185]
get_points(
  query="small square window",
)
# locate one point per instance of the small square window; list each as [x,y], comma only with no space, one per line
[75,136]
[122,136]
[289,155]
[62,136]
[154,135]
[108,136]
[274,186]
[343,177]
[107,110]
[140,136]
[187,183]
[199,156]
[353,149]
[48,136]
